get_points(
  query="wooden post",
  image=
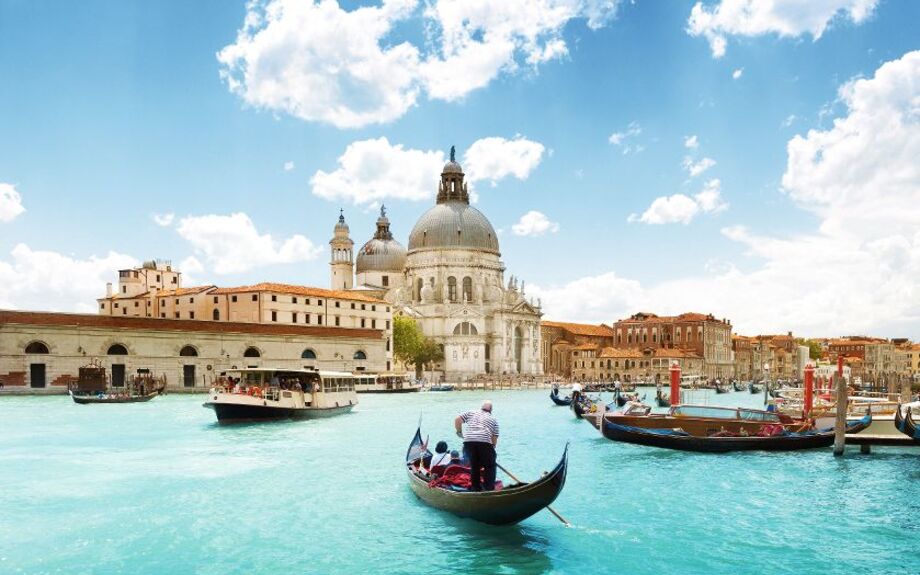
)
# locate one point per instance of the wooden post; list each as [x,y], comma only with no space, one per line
[840,425]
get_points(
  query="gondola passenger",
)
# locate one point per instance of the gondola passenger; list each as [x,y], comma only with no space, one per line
[441,457]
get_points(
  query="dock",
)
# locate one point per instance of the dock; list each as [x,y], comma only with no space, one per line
[865,441]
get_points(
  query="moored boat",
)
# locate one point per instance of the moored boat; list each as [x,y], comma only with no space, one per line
[441,387]
[92,387]
[268,394]
[906,425]
[384,383]
[505,506]
[704,420]
[662,400]
[737,385]
[754,388]
[770,438]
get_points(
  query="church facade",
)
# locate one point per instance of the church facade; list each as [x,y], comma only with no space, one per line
[451,279]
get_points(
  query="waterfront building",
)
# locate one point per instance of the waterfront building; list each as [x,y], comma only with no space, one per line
[701,334]
[912,353]
[46,350]
[451,279]
[560,338]
[768,356]
[649,365]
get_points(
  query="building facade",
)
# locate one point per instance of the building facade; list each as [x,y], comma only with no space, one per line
[559,339]
[46,350]
[451,279]
[702,335]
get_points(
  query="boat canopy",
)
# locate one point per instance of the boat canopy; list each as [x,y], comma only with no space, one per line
[713,412]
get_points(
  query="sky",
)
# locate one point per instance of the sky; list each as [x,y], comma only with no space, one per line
[759,161]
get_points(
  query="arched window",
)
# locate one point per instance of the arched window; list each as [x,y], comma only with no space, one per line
[37,347]
[117,349]
[465,328]
[308,354]
[452,288]
[252,352]
[360,355]
[418,289]
[467,289]
[188,351]
[215,315]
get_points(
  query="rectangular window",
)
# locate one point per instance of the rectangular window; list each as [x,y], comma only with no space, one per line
[362,322]
[319,302]
[388,324]
[294,299]
[337,304]
[388,309]
[274,316]
[137,304]
[191,300]
[255,297]
[233,299]
[274,298]
[116,306]
[102,306]
[177,315]
[124,311]
[373,308]
[148,303]
[373,324]
[124,289]
[191,315]
[319,320]
[336,320]
[177,301]
[363,307]
[308,301]
[163,315]
[294,317]
[215,299]
[352,305]
[386,281]
[306,318]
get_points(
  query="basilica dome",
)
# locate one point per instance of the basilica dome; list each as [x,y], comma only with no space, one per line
[453,223]
[381,253]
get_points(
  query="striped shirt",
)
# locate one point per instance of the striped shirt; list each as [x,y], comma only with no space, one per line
[480,426]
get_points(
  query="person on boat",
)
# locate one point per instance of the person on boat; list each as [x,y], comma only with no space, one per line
[480,436]
[455,458]
[441,456]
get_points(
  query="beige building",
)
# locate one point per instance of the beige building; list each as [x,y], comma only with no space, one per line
[41,350]
[559,338]
[649,365]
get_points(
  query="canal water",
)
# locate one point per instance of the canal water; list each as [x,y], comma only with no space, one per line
[159,488]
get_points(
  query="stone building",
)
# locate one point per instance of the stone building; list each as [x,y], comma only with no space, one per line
[650,365]
[39,350]
[451,279]
[703,335]
[560,338]
[768,356]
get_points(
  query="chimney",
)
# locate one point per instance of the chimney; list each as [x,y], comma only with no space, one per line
[108,289]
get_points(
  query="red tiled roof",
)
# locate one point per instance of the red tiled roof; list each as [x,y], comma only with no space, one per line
[299,290]
[585,346]
[652,318]
[200,326]
[620,352]
[183,291]
[602,330]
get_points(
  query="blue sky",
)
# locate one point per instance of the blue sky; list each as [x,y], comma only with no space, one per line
[111,114]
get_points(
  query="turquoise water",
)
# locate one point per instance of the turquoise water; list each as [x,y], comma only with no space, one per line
[158,488]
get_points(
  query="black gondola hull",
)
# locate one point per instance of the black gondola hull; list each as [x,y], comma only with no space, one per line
[663,439]
[504,507]
[559,400]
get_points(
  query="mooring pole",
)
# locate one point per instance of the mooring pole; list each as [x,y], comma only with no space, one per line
[675,384]
[840,425]
[809,390]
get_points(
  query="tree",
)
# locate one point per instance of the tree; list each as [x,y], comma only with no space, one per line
[814,347]
[410,346]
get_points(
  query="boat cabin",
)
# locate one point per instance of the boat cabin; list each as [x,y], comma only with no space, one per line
[302,388]
[733,413]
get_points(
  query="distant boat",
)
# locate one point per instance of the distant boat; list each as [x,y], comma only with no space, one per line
[662,400]
[92,387]
[441,387]
[678,439]
[84,398]
[906,424]
[722,388]
[754,388]
[564,401]
[504,506]
[737,386]
[384,383]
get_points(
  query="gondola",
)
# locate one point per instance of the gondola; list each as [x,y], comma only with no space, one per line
[662,400]
[906,424]
[678,439]
[100,397]
[737,386]
[722,389]
[505,506]
[752,387]
[554,395]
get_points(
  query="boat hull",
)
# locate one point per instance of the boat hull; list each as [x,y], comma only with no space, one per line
[89,400]
[667,439]
[559,400]
[236,412]
[503,507]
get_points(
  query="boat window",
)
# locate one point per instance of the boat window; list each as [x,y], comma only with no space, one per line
[703,411]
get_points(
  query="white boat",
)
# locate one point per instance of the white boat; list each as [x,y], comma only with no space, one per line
[263,393]
[384,383]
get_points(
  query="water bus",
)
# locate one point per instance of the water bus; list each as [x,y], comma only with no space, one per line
[264,393]
[385,383]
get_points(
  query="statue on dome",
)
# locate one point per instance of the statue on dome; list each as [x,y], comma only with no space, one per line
[452,154]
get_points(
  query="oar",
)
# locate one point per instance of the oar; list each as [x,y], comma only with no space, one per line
[551,510]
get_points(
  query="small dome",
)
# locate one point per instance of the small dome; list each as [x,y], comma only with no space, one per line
[455,225]
[452,167]
[381,256]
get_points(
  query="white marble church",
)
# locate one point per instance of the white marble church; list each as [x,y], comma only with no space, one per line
[451,279]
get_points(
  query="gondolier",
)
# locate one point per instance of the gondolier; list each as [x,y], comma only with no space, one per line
[480,436]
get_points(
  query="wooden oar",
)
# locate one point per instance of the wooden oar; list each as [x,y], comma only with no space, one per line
[551,510]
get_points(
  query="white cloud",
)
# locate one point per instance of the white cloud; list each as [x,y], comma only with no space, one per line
[680,208]
[191,267]
[858,273]
[534,223]
[697,168]
[737,73]
[789,120]
[288,166]
[164,220]
[495,158]
[785,18]
[319,62]
[375,170]
[10,203]
[625,138]
[46,280]
[232,244]
[691,142]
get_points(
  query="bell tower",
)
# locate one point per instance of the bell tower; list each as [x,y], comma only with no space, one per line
[341,257]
